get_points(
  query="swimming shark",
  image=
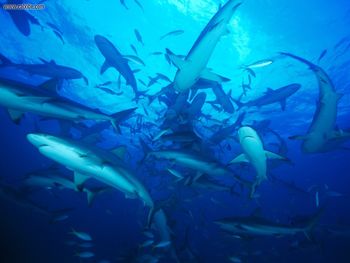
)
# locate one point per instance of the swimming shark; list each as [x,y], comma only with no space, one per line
[322,135]
[21,18]
[114,59]
[53,179]
[227,132]
[47,69]
[272,96]
[257,226]
[193,67]
[19,98]
[88,162]
[19,197]
[254,153]
[196,162]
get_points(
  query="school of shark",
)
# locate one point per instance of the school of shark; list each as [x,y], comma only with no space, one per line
[173,144]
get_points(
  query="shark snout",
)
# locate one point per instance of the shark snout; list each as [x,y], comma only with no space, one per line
[36,139]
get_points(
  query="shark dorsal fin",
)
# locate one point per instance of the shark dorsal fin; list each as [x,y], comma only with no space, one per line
[119,151]
[269,91]
[15,115]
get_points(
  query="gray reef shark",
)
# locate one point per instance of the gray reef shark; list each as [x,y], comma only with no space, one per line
[193,67]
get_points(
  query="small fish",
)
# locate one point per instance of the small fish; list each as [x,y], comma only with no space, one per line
[142,82]
[317,199]
[107,90]
[60,218]
[324,52]
[86,245]
[138,36]
[139,4]
[147,243]
[148,234]
[172,33]
[59,35]
[235,259]
[123,4]
[162,244]
[134,49]
[107,83]
[85,254]
[334,194]
[81,235]
[70,243]
[134,59]
[156,53]
[251,72]
[160,134]
[259,64]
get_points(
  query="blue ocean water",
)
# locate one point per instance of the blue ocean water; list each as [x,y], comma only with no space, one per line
[36,222]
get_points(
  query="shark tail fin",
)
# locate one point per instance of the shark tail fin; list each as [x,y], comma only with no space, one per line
[4,61]
[310,225]
[119,117]
[154,209]
[146,150]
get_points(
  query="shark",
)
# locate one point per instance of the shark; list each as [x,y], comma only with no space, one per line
[49,69]
[194,66]
[19,98]
[258,226]
[227,132]
[255,154]
[21,18]
[56,180]
[114,59]
[20,198]
[195,161]
[87,161]
[272,96]
[322,134]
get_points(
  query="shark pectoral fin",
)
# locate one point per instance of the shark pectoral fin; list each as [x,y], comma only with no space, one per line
[209,75]
[15,115]
[240,159]
[339,96]
[119,151]
[79,180]
[283,104]
[104,67]
[271,155]
[50,85]
[90,197]
[176,60]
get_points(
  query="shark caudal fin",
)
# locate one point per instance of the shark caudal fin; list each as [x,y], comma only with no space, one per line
[119,117]
[310,225]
